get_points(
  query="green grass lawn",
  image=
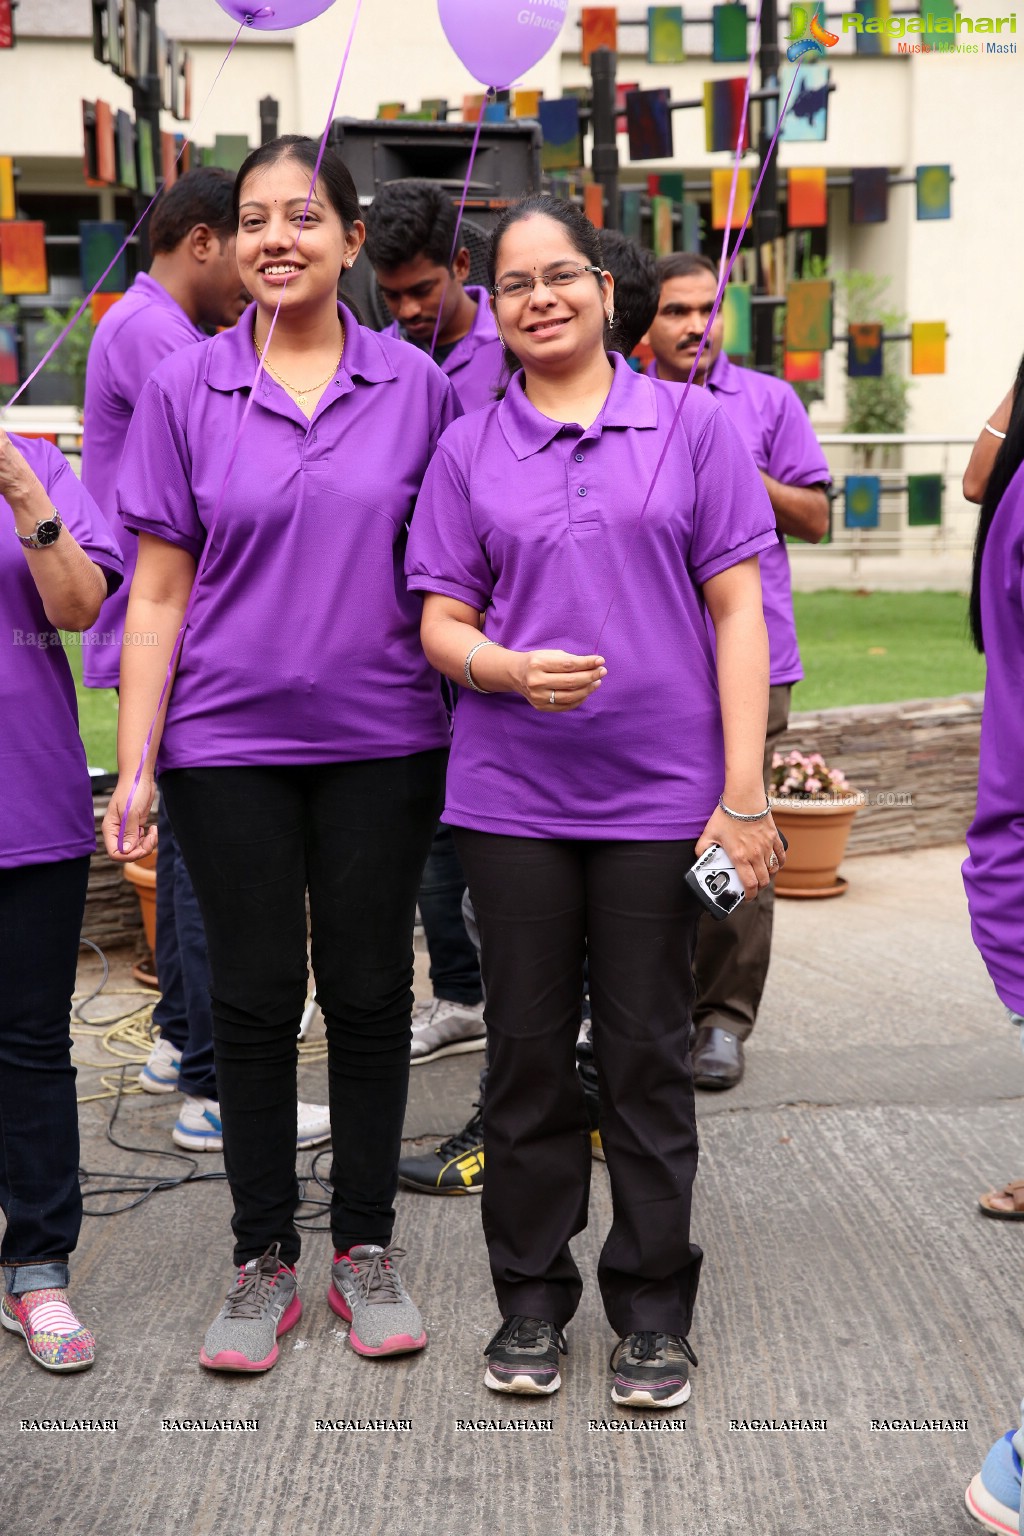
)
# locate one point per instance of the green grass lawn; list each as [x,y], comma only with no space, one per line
[97,715]
[870,648]
[878,647]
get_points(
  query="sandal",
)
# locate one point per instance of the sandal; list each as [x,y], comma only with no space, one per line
[1013,1191]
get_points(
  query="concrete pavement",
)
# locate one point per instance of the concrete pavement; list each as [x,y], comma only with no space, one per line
[848,1278]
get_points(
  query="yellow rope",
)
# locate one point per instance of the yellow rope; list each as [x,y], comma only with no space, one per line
[131,1040]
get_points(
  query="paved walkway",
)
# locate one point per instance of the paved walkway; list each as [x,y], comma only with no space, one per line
[848,1278]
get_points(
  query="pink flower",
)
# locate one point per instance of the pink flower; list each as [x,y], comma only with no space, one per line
[813,786]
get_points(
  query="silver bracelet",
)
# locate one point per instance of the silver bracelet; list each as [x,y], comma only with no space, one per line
[994,430]
[469,676]
[739,816]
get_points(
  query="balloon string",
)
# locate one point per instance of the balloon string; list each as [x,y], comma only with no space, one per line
[233,454]
[80,311]
[696,362]
[458,217]
[739,142]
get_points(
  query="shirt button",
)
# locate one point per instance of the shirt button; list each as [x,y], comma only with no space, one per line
[578,457]
[582,491]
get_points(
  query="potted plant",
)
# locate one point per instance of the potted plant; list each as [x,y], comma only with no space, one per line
[813,805]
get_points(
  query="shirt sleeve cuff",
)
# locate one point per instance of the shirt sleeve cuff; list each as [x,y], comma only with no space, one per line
[174,536]
[731,557]
[441,588]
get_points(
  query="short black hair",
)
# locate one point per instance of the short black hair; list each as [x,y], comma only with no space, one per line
[685,264]
[334,176]
[637,287]
[202,196]
[408,219]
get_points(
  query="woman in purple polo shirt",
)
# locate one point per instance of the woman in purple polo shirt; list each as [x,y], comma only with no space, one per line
[582,782]
[994,870]
[58,562]
[305,743]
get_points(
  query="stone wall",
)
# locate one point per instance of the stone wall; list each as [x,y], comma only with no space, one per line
[917,762]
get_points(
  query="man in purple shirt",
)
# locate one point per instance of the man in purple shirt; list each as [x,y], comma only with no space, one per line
[410,231]
[191,288]
[731,962]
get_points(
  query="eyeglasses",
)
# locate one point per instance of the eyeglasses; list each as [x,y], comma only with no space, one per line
[559,277]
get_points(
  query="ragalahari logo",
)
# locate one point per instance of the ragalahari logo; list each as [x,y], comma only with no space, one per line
[807,35]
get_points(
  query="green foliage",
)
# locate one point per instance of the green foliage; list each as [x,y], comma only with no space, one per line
[73,353]
[874,405]
[8,315]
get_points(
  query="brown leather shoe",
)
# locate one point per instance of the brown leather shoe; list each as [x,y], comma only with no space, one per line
[717,1058]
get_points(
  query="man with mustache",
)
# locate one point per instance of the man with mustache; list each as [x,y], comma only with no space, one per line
[732,958]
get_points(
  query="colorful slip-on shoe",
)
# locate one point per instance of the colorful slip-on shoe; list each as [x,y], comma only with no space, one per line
[456,1167]
[651,1370]
[160,1074]
[367,1291]
[442,1028]
[523,1357]
[993,1497]
[56,1339]
[261,1305]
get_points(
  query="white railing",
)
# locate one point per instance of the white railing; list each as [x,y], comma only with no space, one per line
[892,456]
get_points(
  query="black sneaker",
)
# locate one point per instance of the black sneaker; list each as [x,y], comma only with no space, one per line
[523,1356]
[587,1069]
[456,1167]
[651,1370]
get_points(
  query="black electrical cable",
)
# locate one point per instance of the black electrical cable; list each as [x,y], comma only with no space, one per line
[76,1012]
[143,1186]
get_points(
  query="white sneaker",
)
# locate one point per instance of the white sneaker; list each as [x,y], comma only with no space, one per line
[441,1028]
[198,1127]
[314,1125]
[160,1074]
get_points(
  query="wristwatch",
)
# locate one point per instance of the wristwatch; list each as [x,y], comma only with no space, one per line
[47,532]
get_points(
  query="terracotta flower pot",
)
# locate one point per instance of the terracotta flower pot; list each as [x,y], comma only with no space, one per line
[142,875]
[817,832]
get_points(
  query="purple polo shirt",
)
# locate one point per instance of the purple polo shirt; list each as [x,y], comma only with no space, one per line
[994,870]
[775,427]
[535,524]
[46,797]
[141,329]
[303,645]
[474,363]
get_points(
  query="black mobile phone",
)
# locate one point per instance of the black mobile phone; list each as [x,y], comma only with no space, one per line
[715,883]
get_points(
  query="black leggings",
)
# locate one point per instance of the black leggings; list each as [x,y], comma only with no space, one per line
[254,840]
[542,906]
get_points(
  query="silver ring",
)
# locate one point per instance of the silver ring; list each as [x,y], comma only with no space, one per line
[551,697]
[773,862]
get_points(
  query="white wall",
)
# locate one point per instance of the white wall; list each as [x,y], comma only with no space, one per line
[895,111]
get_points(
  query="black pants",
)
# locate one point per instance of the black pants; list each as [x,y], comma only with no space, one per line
[41,908]
[454,967]
[541,907]
[254,839]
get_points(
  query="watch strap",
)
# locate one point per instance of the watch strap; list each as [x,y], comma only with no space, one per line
[33,541]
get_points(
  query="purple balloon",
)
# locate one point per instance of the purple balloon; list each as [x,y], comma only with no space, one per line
[274,15]
[499,40]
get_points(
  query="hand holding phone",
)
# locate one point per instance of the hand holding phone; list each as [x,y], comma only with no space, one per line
[715,883]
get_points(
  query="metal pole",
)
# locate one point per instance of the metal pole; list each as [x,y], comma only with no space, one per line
[146,101]
[268,119]
[605,158]
[766,222]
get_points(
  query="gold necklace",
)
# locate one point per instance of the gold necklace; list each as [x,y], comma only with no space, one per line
[301,394]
